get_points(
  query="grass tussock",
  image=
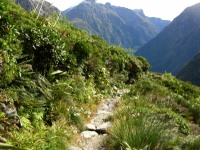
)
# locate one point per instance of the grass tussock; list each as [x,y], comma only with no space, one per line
[138,132]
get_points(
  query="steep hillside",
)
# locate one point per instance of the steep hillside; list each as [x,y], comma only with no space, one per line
[191,71]
[117,25]
[43,7]
[176,44]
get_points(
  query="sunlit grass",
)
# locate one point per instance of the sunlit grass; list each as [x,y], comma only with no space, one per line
[138,132]
[55,137]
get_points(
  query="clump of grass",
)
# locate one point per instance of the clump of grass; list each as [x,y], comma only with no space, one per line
[195,145]
[137,133]
[55,137]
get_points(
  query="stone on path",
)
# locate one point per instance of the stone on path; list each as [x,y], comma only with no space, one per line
[88,134]
[103,112]
[91,127]
[75,148]
[103,127]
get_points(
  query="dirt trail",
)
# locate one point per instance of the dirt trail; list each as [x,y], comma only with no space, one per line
[93,138]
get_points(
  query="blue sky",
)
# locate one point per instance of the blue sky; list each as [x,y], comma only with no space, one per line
[165,9]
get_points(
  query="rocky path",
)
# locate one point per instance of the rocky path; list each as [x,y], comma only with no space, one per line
[93,138]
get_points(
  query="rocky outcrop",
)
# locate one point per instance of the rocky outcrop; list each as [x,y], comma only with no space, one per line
[10,114]
[42,7]
[10,118]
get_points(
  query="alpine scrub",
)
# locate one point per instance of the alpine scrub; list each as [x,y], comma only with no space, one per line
[54,75]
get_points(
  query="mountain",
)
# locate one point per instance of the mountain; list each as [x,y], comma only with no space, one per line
[46,9]
[191,71]
[117,25]
[173,47]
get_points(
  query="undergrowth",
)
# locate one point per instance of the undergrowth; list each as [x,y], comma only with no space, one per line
[54,75]
[171,103]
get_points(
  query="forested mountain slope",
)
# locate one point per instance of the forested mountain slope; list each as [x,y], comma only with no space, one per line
[191,71]
[173,47]
[117,25]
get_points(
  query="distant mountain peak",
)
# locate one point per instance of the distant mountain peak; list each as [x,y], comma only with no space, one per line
[117,25]
[174,46]
[108,4]
[139,11]
[92,1]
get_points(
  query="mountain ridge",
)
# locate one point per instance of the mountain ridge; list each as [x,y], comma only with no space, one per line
[176,44]
[118,25]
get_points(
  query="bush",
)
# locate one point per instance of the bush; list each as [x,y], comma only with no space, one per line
[82,51]
[44,47]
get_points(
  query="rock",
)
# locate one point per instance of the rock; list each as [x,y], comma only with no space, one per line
[88,134]
[103,112]
[75,148]
[112,106]
[2,107]
[91,127]
[103,127]
[3,140]
[10,113]
[105,107]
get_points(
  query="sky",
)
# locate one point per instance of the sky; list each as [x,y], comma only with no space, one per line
[164,9]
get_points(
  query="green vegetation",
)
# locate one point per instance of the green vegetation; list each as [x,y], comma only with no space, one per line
[140,132]
[157,113]
[55,75]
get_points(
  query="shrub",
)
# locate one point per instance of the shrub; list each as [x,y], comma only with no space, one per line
[44,47]
[81,50]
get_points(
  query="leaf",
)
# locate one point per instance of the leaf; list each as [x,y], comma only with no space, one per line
[11,147]
[56,72]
